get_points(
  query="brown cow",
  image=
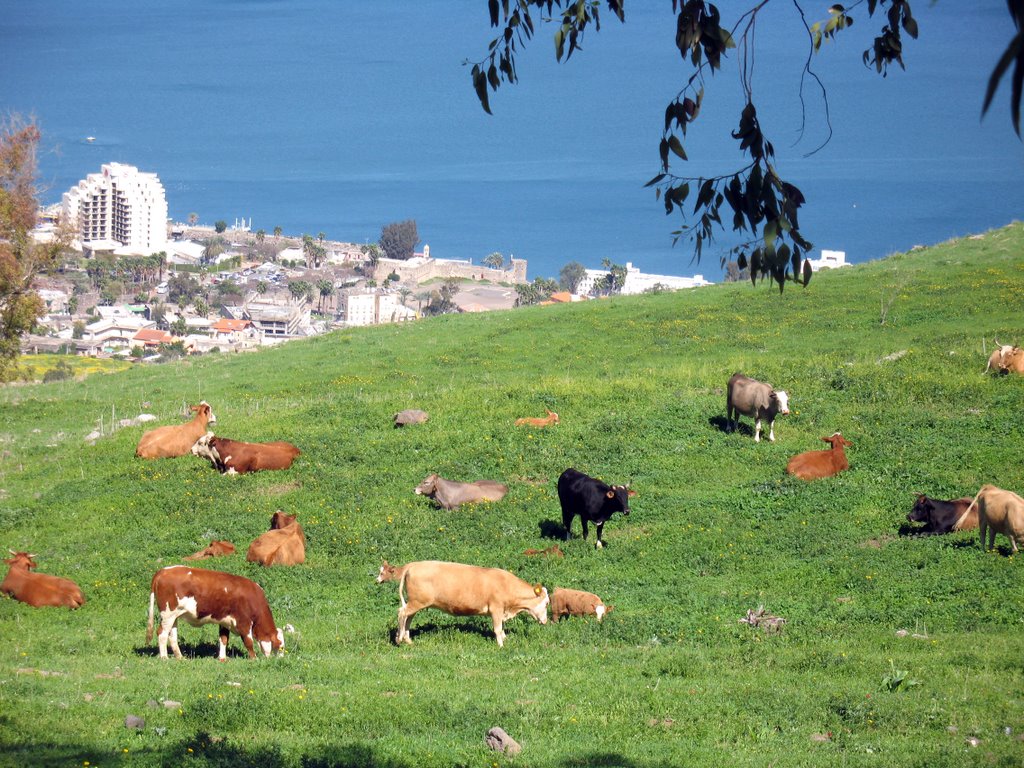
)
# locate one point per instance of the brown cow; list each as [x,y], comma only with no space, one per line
[575,602]
[995,360]
[999,511]
[38,589]
[212,597]
[450,493]
[233,457]
[813,465]
[467,590]
[215,549]
[532,421]
[1013,361]
[283,544]
[940,516]
[176,439]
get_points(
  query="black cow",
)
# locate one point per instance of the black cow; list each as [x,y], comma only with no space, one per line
[940,516]
[591,499]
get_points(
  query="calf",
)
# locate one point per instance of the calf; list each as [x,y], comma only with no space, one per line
[283,544]
[941,516]
[532,421]
[449,493]
[176,439]
[233,457]
[215,549]
[755,399]
[999,511]
[573,602]
[212,597]
[467,590]
[591,499]
[814,465]
[38,589]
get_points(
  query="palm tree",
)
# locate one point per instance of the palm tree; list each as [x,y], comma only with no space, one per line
[326,288]
[404,294]
[495,261]
[277,232]
[261,235]
[320,237]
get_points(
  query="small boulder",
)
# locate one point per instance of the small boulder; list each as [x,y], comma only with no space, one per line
[134,722]
[500,741]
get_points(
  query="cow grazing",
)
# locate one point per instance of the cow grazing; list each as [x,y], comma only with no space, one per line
[591,499]
[176,439]
[574,602]
[233,457]
[216,548]
[531,421]
[814,465]
[467,590]
[755,399]
[941,516]
[283,544]
[38,589]
[999,511]
[449,493]
[390,572]
[211,597]
[410,416]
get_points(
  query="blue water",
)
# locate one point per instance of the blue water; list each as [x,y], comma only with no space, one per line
[340,117]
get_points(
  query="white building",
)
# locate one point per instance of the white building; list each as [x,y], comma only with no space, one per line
[118,209]
[638,282]
[829,260]
[372,308]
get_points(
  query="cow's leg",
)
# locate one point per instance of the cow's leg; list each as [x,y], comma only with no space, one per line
[405,615]
[600,528]
[771,430]
[247,639]
[165,630]
[982,528]
[567,524]
[222,652]
[583,522]
[757,430]
[728,418]
[173,636]
[497,618]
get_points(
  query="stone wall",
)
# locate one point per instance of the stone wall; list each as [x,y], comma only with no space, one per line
[421,270]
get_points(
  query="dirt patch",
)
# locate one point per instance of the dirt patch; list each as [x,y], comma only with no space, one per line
[282,488]
[880,541]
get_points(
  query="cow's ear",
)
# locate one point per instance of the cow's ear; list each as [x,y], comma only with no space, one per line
[537,589]
[610,494]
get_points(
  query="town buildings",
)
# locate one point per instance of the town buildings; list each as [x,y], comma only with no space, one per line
[638,282]
[119,209]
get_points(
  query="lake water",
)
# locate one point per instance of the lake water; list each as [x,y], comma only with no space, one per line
[340,117]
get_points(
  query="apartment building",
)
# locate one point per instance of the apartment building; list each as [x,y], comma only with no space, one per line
[119,209]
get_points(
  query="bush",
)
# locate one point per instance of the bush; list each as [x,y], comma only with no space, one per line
[60,372]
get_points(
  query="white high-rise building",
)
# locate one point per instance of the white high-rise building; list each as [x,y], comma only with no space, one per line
[119,209]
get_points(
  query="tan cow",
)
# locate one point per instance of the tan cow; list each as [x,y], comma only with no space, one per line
[38,589]
[575,602]
[999,511]
[995,360]
[176,439]
[451,493]
[216,548]
[467,590]
[283,544]
[1013,361]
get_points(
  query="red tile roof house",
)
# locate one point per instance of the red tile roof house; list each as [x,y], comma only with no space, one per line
[152,338]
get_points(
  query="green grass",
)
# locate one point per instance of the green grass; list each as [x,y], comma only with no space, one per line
[670,678]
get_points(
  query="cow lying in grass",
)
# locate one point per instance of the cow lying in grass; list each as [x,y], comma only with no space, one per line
[943,516]
[575,602]
[38,589]
[234,457]
[216,548]
[814,465]
[176,439]
[283,544]
[449,493]
[532,421]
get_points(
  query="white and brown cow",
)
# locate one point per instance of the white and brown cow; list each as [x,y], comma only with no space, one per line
[467,590]
[999,511]
[755,399]
[212,597]
[234,457]
[576,602]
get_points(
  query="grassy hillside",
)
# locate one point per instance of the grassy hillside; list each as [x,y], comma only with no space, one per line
[670,678]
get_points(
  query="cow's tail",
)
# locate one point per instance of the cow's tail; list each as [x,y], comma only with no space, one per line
[401,586]
[149,624]
[972,504]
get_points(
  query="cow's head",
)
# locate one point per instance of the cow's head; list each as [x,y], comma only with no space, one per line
[539,609]
[836,440]
[205,448]
[21,560]
[922,510]
[387,572]
[428,486]
[617,498]
[204,409]
[281,520]
[552,416]
[783,400]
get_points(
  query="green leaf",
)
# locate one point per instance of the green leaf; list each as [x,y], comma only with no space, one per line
[559,42]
